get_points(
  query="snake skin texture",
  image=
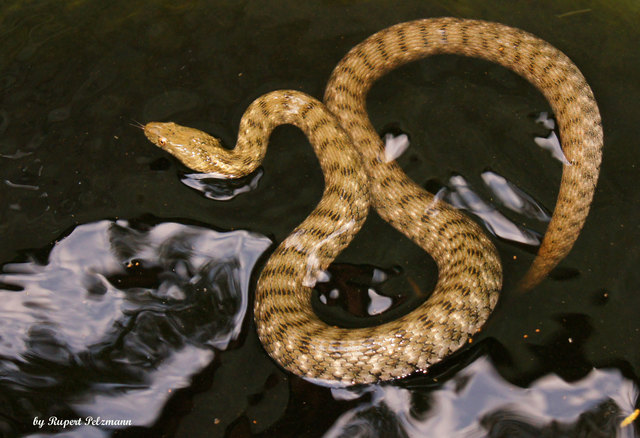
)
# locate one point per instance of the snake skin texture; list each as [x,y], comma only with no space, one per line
[357,174]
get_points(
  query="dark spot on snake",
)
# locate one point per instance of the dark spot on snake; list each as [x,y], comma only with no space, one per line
[403,40]
[446,305]
[365,60]
[443,33]
[381,48]
[307,109]
[483,38]
[472,270]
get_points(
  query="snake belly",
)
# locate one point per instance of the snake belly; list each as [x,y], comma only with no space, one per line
[356,173]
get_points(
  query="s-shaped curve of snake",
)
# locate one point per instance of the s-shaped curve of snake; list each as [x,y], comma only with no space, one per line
[469,270]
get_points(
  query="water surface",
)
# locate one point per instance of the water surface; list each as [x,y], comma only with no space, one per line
[125,282]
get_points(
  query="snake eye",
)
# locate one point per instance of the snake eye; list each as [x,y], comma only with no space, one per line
[162,141]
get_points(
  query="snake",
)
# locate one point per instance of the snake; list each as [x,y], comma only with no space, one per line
[359,176]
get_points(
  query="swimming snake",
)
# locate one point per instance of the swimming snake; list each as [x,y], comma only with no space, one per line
[358,175]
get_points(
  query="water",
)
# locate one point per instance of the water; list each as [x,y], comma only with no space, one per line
[118,319]
[125,280]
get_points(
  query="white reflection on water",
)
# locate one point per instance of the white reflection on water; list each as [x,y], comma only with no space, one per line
[379,303]
[118,318]
[220,188]
[394,146]
[477,402]
[514,198]
[551,142]
[461,195]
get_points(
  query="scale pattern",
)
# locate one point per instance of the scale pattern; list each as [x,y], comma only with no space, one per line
[356,173]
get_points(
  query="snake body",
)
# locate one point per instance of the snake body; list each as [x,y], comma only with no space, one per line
[352,159]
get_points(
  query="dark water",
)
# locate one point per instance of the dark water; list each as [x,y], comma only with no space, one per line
[125,293]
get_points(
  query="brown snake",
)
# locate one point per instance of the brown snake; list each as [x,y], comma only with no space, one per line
[469,270]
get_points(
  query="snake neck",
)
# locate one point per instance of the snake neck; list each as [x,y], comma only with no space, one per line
[329,140]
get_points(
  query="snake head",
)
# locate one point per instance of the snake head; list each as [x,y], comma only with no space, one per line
[195,149]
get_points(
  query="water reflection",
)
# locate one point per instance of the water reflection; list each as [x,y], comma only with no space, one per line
[117,319]
[213,187]
[394,146]
[551,142]
[513,197]
[356,290]
[461,195]
[477,402]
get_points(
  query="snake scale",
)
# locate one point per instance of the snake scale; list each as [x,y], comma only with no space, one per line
[357,175]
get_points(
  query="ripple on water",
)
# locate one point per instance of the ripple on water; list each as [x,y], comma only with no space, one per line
[117,319]
[478,402]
